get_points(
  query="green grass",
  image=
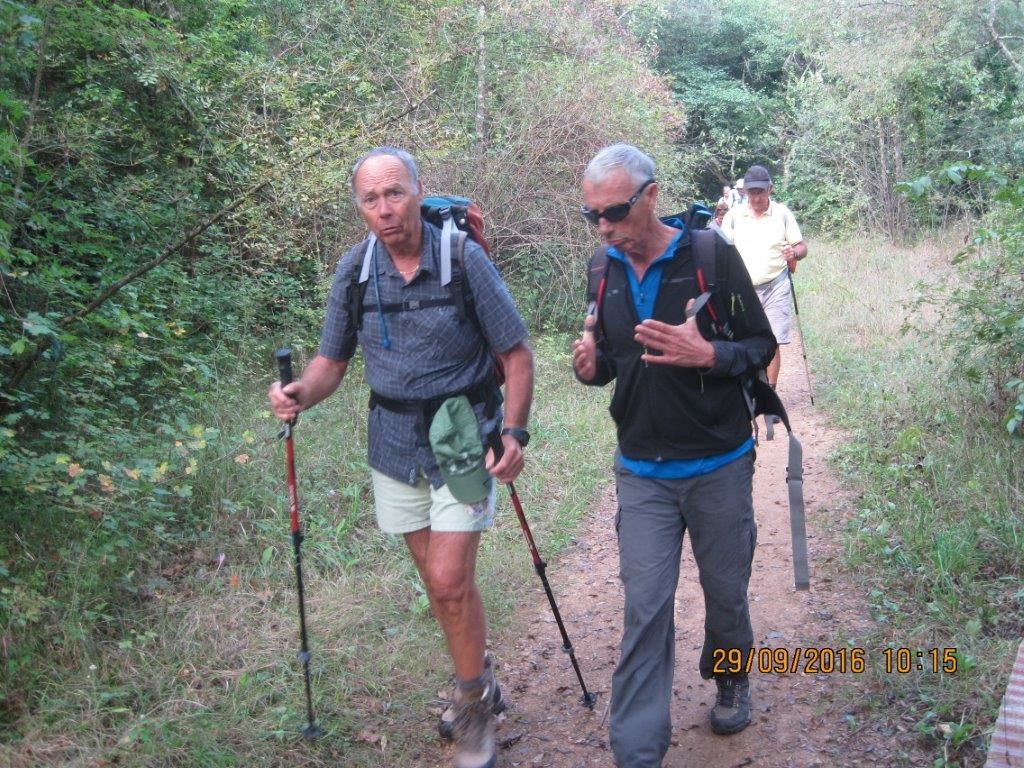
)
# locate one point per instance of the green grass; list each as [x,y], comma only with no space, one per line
[196,665]
[935,535]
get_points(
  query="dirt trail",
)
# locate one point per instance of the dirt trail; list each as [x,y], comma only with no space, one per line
[800,720]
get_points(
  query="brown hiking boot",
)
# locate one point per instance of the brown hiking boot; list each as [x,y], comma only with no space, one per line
[731,713]
[498,704]
[473,728]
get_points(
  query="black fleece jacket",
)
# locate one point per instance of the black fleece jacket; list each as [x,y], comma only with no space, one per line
[669,412]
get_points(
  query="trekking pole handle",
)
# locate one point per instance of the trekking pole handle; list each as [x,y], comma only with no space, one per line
[284,365]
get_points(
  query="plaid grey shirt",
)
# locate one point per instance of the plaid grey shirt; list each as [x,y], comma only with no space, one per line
[430,352]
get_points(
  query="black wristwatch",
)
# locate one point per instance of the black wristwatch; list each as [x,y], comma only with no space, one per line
[521,435]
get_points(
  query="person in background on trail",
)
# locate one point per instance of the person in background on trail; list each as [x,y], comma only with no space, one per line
[724,199]
[768,238]
[716,223]
[415,360]
[738,196]
[685,459]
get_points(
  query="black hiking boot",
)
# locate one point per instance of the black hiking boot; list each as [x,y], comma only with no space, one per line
[445,723]
[731,713]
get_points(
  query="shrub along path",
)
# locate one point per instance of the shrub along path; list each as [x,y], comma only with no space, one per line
[799,719]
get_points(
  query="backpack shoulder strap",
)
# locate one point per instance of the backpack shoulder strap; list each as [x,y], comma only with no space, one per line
[705,256]
[355,292]
[597,272]
[465,307]
[597,279]
[371,245]
[448,233]
[458,283]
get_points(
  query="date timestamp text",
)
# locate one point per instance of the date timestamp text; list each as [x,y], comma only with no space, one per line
[827,661]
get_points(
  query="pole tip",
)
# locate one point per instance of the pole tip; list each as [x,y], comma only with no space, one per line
[311,732]
[588,700]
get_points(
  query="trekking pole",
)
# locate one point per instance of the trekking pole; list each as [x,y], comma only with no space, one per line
[588,699]
[803,339]
[284,365]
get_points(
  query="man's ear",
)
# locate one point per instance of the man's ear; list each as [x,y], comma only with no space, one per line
[652,192]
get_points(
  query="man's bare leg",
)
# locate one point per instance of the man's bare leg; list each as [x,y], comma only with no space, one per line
[774,366]
[447,564]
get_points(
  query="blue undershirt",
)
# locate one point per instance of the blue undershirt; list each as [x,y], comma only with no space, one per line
[645,294]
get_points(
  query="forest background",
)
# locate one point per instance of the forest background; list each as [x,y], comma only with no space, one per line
[174,196]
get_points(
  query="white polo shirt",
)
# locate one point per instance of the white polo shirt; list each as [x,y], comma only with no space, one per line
[760,239]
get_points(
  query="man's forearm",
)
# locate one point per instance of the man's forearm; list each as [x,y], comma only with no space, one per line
[321,377]
[518,364]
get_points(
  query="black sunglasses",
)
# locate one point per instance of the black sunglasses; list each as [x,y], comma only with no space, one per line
[614,213]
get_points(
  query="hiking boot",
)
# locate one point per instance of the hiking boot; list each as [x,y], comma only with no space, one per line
[498,703]
[473,727]
[731,713]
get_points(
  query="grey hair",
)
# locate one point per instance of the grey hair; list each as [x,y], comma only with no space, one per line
[638,165]
[401,154]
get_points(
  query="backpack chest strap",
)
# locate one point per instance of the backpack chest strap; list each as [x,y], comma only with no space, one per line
[406,306]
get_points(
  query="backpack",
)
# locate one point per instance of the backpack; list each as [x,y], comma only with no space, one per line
[761,398]
[458,218]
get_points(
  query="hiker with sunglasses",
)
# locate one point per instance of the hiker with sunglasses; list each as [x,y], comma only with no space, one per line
[685,458]
[434,399]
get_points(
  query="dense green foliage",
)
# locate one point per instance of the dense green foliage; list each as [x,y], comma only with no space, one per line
[729,65]
[984,311]
[844,100]
[894,91]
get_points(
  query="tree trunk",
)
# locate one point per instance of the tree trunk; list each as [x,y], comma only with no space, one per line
[481,94]
[883,180]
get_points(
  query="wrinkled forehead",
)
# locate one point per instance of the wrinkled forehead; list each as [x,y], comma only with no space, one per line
[380,171]
[616,186]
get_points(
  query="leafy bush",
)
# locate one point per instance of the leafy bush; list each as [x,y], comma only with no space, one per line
[984,311]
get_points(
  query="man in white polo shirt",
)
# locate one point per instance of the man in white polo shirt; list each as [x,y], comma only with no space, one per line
[768,238]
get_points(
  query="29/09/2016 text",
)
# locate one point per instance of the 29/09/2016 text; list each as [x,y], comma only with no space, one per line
[816,661]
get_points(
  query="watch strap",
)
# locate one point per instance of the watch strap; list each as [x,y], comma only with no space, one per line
[520,434]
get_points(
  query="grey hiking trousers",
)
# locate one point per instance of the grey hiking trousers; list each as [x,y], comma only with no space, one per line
[717,509]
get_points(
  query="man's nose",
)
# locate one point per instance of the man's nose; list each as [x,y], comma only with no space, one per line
[604,227]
